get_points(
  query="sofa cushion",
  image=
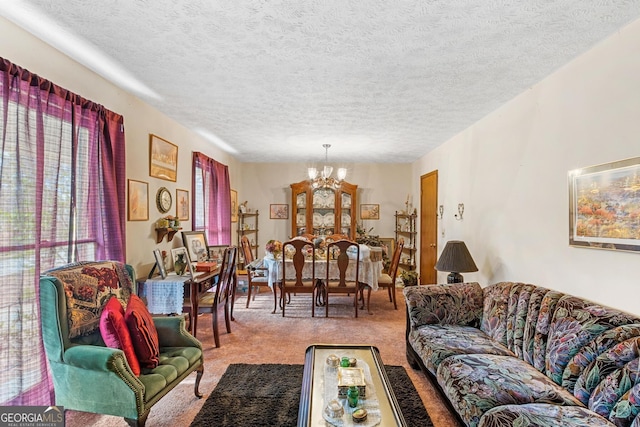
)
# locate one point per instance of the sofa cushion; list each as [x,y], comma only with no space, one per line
[576,322]
[495,310]
[531,323]
[115,333]
[143,332]
[475,383]
[627,408]
[434,343]
[88,286]
[587,364]
[547,308]
[458,304]
[542,415]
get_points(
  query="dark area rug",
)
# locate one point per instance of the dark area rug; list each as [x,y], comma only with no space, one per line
[269,395]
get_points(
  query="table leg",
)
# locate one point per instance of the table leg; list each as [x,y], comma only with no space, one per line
[194,296]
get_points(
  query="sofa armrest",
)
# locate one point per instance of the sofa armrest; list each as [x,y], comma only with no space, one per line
[173,333]
[96,358]
[453,304]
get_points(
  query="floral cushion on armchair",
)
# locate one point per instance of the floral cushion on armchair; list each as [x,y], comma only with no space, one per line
[88,286]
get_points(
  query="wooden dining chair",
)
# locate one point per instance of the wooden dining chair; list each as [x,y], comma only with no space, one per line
[388,280]
[299,284]
[220,296]
[344,261]
[256,276]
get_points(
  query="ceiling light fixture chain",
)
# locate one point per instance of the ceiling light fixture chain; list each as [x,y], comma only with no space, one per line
[325,180]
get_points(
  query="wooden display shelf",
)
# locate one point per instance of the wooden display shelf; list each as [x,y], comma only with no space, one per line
[169,232]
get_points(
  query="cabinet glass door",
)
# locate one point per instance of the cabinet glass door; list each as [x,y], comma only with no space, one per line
[300,210]
[346,213]
[324,204]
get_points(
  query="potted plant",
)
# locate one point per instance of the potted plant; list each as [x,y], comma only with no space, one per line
[409,277]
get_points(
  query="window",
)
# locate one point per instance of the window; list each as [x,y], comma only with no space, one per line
[62,195]
[211,199]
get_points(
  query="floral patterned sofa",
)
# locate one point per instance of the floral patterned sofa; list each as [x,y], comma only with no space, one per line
[518,354]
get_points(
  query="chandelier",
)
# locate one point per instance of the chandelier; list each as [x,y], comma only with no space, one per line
[323,179]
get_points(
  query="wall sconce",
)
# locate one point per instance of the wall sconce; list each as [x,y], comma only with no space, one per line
[460,211]
[440,211]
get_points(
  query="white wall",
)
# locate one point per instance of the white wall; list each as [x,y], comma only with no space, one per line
[264,183]
[140,120]
[510,171]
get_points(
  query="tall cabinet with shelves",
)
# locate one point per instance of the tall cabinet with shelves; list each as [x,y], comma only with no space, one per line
[406,229]
[323,210]
[248,226]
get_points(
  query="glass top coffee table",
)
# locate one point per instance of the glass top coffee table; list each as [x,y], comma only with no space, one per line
[313,397]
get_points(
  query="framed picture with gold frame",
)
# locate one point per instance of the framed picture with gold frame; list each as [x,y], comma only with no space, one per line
[234,206]
[369,211]
[279,211]
[163,158]
[138,200]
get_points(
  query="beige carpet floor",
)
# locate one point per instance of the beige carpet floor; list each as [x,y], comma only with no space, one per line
[257,336]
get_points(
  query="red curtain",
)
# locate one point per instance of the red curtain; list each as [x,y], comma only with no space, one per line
[212,199]
[62,199]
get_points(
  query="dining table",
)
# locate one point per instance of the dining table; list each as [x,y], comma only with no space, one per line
[369,271]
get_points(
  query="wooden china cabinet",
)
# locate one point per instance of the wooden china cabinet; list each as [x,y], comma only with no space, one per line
[323,210]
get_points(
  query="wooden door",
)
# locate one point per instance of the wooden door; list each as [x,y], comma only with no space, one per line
[428,227]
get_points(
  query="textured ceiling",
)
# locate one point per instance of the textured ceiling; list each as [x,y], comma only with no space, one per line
[380,80]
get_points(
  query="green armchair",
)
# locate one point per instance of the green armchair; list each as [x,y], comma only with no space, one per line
[90,377]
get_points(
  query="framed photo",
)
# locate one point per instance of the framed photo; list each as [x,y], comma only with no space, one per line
[216,253]
[369,211]
[182,205]
[278,211]
[234,206]
[159,264]
[138,201]
[163,158]
[604,206]
[196,244]
[388,246]
[176,252]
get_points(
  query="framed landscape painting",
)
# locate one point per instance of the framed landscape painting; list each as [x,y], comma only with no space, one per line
[604,206]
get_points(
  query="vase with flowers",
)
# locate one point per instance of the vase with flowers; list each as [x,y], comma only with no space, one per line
[274,248]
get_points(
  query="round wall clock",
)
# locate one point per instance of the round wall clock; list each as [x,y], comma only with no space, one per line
[163,200]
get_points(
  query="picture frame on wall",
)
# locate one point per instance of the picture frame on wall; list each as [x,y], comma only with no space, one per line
[604,207]
[163,158]
[182,205]
[137,200]
[370,211]
[196,244]
[234,206]
[279,211]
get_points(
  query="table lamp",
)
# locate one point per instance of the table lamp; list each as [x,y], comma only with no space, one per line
[456,258]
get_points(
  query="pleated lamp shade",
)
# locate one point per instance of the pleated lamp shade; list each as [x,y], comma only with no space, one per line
[456,258]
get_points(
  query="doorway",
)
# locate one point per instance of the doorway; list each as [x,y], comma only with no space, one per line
[428,227]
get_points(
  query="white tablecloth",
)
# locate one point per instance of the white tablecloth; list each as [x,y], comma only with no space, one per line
[165,296]
[369,271]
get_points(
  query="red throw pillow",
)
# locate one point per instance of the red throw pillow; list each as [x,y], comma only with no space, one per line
[143,332]
[115,333]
